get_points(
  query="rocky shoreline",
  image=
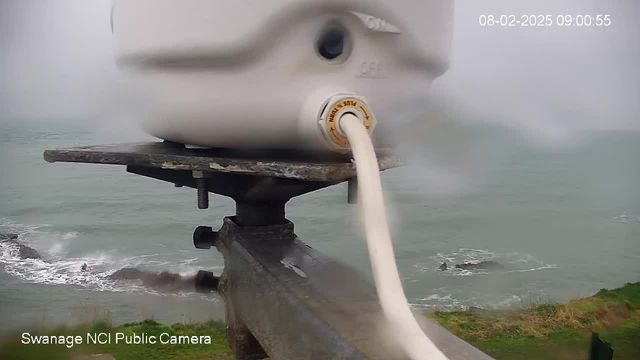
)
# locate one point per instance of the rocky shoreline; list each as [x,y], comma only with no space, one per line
[482,265]
[165,282]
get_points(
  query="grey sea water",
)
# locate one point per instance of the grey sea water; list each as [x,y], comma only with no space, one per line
[565,223]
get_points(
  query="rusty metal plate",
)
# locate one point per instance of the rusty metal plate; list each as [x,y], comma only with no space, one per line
[281,164]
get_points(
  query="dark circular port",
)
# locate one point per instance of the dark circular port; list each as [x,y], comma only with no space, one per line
[333,42]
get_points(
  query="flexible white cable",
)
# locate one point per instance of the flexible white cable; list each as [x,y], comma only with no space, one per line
[392,299]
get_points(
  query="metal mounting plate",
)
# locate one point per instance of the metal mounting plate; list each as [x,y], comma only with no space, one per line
[297,165]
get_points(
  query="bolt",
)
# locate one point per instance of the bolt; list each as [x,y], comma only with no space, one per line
[206,282]
[204,237]
[203,194]
[201,186]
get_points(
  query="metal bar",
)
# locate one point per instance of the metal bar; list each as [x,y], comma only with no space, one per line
[299,304]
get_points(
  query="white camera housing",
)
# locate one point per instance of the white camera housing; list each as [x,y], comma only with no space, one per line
[256,74]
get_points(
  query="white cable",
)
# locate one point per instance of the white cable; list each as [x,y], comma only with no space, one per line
[392,299]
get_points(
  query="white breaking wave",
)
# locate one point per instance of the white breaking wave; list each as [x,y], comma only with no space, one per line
[543,267]
[436,297]
[452,298]
[70,235]
[447,302]
[625,219]
[56,269]
[513,262]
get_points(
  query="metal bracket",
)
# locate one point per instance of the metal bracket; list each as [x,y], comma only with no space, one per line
[283,299]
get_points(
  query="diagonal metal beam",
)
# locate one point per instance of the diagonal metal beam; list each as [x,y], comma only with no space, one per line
[283,298]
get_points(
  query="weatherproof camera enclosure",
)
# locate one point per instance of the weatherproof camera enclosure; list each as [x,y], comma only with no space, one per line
[263,74]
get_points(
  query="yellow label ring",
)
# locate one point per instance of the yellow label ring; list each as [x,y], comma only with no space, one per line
[336,109]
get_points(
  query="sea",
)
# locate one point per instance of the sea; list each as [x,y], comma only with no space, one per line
[564,221]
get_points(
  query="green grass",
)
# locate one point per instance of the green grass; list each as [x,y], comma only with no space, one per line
[544,331]
[553,331]
[12,348]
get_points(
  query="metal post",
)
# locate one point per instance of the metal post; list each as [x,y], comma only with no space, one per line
[352,191]
[599,349]
[259,213]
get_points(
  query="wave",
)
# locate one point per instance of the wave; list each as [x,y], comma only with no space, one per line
[57,268]
[513,261]
[548,266]
[626,219]
[447,302]
[40,236]
[439,301]
[57,271]
[452,297]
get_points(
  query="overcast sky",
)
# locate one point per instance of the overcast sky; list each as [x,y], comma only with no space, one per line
[56,62]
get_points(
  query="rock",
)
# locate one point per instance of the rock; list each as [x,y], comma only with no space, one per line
[127,273]
[24,252]
[206,282]
[163,281]
[8,236]
[482,265]
[443,267]
[169,282]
